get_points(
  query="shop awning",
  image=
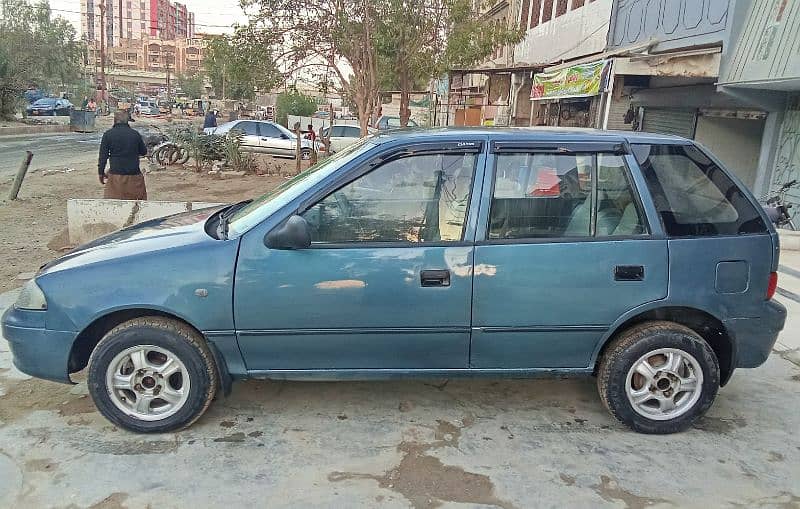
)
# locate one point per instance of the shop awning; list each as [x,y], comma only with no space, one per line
[580,80]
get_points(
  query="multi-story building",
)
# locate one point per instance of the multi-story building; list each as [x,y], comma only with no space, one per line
[178,56]
[135,20]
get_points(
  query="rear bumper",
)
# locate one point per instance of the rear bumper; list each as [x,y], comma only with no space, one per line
[755,337]
[37,351]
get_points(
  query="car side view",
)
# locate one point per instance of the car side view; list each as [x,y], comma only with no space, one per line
[631,257]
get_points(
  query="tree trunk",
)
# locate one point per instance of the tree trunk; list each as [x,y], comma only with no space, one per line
[405,94]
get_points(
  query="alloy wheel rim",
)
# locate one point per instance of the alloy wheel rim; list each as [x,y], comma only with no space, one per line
[664,384]
[148,382]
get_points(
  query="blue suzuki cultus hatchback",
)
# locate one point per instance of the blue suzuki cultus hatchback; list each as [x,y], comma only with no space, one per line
[635,258]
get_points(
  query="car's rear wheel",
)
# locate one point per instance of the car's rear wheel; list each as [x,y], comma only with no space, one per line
[658,377]
[152,374]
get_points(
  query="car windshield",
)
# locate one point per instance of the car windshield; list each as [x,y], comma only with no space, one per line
[266,204]
[45,102]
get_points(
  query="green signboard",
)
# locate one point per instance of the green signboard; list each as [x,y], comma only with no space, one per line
[583,80]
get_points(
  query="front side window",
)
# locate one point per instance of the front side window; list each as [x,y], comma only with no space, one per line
[420,198]
[269,131]
[544,195]
[694,196]
[247,128]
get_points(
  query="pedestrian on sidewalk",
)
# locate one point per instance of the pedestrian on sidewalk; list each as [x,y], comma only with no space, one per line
[123,146]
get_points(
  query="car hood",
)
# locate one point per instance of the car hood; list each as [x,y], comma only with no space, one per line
[187,228]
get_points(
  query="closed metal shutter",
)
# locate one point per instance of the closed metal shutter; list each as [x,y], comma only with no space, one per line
[669,121]
[616,115]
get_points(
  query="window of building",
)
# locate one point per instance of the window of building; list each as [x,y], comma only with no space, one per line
[544,195]
[561,7]
[415,199]
[577,3]
[536,12]
[693,195]
[523,14]
[547,11]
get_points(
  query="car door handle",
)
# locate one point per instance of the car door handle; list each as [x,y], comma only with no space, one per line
[434,278]
[629,273]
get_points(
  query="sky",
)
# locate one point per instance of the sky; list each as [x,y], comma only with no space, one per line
[211,16]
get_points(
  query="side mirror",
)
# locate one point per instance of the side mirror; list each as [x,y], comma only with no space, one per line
[293,234]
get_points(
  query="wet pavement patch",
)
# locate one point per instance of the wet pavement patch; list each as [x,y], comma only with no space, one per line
[719,425]
[425,481]
[234,437]
[610,491]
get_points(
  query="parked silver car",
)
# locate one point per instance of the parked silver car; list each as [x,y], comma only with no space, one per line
[265,137]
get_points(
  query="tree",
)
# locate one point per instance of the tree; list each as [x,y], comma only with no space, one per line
[293,103]
[420,39]
[35,50]
[330,37]
[192,85]
[237,69]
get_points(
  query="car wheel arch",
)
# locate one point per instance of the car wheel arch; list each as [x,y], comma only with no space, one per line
[86,340]
[705,324]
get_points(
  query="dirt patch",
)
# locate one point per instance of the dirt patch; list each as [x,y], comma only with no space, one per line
[40,465]
[227,424]
[23,397]
[567,479]
[113,501]
[232,438]
[610,491]
[425,481]
[719,425]
[34,225]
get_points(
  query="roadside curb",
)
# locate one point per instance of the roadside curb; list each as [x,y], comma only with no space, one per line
[33,129]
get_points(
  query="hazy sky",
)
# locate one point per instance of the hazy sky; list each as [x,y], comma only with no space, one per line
[211,16]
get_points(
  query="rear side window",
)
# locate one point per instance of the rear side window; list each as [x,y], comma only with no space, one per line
[694,197]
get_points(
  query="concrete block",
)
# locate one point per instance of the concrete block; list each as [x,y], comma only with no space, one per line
[90,219]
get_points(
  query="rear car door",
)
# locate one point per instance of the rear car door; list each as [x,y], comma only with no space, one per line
[564,249]
[250,138]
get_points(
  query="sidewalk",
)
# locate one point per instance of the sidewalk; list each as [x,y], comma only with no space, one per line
[788,294]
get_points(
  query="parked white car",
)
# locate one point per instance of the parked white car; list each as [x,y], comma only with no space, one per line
[265,137]
[344,135]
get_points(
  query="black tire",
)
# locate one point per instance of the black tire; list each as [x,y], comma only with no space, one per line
[633,344]
[180,339]
[183,156]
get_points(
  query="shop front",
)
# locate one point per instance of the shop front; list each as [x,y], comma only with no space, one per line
[570,96]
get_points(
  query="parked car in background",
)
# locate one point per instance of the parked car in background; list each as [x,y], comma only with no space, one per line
[386,122]
[265,137]
[149,108]
[343,136]
[51,106]
[633,257]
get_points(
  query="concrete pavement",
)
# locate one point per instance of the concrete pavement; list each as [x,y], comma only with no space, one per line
[464,443]
[49,150]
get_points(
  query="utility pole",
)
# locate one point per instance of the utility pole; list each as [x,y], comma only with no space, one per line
[101,82]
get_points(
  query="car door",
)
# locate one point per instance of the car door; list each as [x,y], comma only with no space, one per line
[566,250]
[250,135]
[272,142]
[338,140]
[386,283]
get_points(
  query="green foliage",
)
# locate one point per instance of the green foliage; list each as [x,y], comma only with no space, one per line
[192,85]
[238,67]
[35,50]
[234,157]
[293,103]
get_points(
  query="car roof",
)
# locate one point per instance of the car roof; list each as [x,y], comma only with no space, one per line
[544,134]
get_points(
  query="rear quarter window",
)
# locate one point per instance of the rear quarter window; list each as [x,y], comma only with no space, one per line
[694,196]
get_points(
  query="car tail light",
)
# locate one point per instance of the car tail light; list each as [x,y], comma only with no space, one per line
[773,284]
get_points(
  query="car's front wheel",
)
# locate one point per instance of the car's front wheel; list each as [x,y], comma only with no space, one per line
[152,374]
[658,377]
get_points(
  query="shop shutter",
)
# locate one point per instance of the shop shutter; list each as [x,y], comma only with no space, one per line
[669,121]
[616,116]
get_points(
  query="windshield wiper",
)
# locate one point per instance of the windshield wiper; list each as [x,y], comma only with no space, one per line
[225,216]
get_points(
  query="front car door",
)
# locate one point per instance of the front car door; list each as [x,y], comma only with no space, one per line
[564,249]
[274,141]
[387,282]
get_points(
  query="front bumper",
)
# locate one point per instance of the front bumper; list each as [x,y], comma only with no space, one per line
[37,351]
[755,337]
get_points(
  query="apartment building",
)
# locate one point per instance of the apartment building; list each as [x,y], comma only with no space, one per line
[178,56]
[135,20]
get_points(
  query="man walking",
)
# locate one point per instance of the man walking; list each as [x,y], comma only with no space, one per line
[124,146]
[210,120]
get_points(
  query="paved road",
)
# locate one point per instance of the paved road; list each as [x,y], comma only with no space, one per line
[410,443]
[49,150]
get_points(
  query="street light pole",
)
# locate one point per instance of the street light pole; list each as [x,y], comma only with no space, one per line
[101,82]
